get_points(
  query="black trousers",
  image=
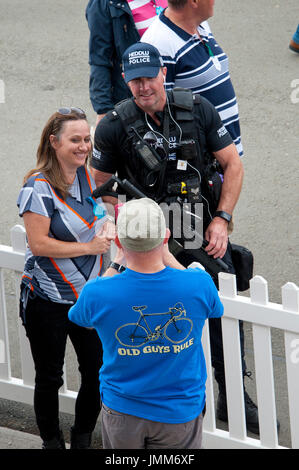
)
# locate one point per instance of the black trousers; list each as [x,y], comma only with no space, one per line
[215,327]
[47,328]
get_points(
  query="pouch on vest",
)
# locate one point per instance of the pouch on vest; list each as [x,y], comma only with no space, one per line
[182,101]
[243,263]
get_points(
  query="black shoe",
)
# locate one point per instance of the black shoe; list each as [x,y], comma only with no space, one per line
[55,443]
[80,441]
[251,412]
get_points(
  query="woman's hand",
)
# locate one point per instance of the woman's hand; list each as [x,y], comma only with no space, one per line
[102,241]
[98,245]
[108,230]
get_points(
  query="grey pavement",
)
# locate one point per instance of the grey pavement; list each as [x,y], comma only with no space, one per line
[44,65]
[12,439]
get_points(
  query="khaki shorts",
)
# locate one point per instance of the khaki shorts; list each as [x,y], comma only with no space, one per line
[122,431]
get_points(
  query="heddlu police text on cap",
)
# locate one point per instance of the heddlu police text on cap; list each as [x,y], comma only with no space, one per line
[138,57]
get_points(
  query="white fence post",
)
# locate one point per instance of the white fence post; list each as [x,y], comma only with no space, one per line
[232,362]
[18,238]
[209,421]
[18,241]
[264,368]
[290,301]
[5,369]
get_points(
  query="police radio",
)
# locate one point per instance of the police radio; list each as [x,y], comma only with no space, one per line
[148,154]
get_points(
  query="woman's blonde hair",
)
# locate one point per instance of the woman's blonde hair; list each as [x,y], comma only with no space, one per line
[47,162]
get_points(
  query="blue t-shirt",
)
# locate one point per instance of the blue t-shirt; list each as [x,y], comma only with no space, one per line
[150,326]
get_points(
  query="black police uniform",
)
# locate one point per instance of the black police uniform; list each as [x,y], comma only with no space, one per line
[115,152]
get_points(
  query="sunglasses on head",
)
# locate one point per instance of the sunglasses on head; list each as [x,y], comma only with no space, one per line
[66,111]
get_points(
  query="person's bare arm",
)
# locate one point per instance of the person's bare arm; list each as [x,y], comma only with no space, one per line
[216,233]
[170,260]
[37,230]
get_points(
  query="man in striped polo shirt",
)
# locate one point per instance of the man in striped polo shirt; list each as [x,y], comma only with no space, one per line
[194,59]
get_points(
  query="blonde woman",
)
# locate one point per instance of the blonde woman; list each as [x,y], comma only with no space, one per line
[63,253]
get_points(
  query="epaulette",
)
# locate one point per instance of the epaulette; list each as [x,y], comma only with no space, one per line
[129,114]
[112,115]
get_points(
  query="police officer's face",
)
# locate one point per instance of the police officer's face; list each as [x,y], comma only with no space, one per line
[149,93]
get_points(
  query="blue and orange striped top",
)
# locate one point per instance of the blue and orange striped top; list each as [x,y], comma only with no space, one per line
[61,279]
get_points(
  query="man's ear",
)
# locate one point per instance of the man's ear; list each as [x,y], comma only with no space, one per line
[117,242]
[194,3]
[167,235]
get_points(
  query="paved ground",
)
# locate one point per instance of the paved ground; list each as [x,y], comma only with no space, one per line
[44,65]
[11,439]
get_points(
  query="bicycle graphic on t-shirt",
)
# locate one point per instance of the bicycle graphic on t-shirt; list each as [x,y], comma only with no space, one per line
[176,329]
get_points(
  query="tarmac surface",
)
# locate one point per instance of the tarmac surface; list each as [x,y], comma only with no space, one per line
[44,65]
[12,439]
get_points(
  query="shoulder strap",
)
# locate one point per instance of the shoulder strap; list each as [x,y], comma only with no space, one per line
[183,99]
[128,114]
[183,103]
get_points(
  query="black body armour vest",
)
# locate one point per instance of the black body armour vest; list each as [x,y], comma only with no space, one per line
[160,177]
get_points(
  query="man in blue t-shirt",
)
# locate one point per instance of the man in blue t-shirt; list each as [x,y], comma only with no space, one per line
[149,319]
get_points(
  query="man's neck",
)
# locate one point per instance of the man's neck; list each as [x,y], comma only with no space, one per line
[144,262]
[152,113]
[155,118]
[146,268]
[184,19]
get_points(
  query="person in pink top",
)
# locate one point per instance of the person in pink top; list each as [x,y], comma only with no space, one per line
[144,11]
[114,26]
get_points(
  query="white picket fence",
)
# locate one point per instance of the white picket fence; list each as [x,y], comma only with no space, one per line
[256,309]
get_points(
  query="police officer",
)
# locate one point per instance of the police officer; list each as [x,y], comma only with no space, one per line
[169,145]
